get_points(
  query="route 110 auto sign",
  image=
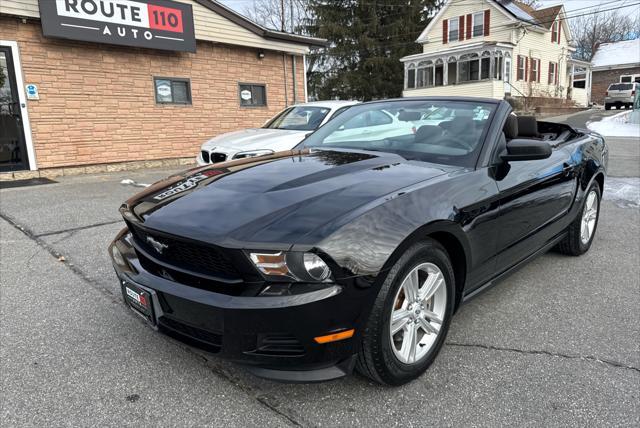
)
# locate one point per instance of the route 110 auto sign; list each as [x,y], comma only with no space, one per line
[156,24]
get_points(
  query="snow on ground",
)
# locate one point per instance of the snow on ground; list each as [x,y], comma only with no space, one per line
[623,191]
[616,126]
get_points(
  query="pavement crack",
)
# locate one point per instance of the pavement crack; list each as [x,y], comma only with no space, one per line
[264,400]
[611,363]
[60,257]
[73,230]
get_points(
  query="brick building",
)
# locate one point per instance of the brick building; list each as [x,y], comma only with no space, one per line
[71,105]
[612,63]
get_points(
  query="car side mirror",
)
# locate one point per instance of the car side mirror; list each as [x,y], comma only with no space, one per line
[524,149]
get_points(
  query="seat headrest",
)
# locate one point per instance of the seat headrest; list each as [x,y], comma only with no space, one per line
[511,127]
[408,116]
[527,126]
[427,132]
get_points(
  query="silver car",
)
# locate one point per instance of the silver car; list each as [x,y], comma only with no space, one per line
[621,94]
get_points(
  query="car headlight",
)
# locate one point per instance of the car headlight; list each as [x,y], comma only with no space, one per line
[296,266]
[252,154]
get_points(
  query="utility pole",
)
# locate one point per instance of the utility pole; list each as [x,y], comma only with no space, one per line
[282,15]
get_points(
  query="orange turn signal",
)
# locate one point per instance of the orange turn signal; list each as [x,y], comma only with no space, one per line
[334,337]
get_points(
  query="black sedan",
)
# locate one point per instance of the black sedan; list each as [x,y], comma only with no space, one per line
[355,249]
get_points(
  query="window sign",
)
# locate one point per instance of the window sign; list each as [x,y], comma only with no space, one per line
[252,94]
[156,24]
[172,90]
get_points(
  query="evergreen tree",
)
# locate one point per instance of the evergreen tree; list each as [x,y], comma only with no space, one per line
[366,40]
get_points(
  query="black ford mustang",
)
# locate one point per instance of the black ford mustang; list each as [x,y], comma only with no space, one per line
[356,248]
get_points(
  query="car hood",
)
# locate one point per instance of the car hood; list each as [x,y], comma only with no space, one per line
[257,138]
[276,200]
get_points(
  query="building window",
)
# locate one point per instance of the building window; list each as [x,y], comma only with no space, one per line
[170,90]
[425,74]
[554,32]
[454,24]
[252,95]
[411,77]
[478,24]
[552,73]
[535,67]
[520,73]
[468,68]
[497,67]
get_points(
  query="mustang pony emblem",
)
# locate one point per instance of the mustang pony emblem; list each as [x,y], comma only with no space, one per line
[157,245]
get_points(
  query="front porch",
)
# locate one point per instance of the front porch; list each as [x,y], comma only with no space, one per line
[480,69]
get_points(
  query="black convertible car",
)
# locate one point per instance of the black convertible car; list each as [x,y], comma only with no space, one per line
[356,248]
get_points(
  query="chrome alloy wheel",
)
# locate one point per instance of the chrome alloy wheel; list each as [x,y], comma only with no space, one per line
[589,217]
[417,313]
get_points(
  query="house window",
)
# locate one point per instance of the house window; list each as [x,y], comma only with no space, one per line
[552,73]
[170,90]
[452,71]
[411,77]
[468,68]
[424,74]
[485,68]
[535,66]
[554,32]
[478,24]
[497,67]
[252,95]
[520,73]
[454,24]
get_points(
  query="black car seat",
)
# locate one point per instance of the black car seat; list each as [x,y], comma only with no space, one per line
[511,127]
[528,127]
[428,133]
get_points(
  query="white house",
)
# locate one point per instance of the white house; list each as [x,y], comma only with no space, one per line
[494,48]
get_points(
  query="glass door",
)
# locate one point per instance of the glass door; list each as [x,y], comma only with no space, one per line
[13,153]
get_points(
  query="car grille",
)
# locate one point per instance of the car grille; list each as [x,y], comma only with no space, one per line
[218,157]
[198,258]
[205,156]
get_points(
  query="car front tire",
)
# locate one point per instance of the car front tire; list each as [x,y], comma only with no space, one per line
[410,317]
[581,232]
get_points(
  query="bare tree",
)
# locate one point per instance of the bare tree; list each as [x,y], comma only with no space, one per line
[589,31]
[531,3]
[282,15]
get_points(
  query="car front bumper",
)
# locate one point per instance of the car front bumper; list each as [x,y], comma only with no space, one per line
[272,335]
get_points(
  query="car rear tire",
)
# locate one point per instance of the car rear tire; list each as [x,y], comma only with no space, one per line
[618,106]
[410,317]
[607,106]
[581,232]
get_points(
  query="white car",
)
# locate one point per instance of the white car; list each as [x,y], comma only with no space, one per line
[283,132]
[377,125]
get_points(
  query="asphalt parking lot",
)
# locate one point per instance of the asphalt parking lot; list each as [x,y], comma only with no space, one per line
[555,344]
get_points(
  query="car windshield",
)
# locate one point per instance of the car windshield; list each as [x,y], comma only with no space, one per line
[446,132]
[620,87]
[300,118]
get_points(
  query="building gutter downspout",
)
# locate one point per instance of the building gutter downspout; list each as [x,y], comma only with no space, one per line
[295,78]
[284,68]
